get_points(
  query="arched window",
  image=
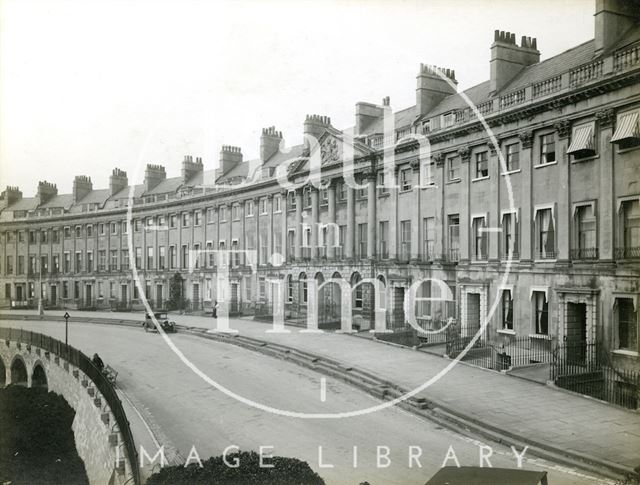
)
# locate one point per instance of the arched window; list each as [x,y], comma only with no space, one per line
[289,288]
[357,294]
[303,287]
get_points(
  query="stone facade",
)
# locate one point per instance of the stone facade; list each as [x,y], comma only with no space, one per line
[551,171]
[97,438]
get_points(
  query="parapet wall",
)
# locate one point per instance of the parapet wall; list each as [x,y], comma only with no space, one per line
[99,440]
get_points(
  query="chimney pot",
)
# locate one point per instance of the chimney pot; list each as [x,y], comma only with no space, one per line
[508,60]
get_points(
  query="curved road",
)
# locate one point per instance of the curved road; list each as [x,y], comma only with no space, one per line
[182,411]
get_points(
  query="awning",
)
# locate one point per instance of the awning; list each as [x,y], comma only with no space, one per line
[582,140]
[627,128]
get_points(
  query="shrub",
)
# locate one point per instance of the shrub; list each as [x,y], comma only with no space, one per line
[37,445]
[214,471]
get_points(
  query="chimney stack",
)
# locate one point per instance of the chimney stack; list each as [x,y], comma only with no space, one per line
[508,58]
[46,191]
[9,196]
[367,114]
[117,181]
[230,156]
[153,175]
[269,143]
[190,168]
[315,126]
[612,19]
[81,187]
[432,88]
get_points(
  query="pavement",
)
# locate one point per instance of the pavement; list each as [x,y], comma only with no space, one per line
[519,410]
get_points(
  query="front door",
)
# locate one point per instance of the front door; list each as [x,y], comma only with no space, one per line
[19,293]
[196,296]
[472,315]
[398,317]
[54,295]
[88,295]
[159,298]
[576,331]
[234,297]
[123,294]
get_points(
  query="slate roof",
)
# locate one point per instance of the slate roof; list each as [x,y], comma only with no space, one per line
[24,204]
[62,200]
[167,186]
[553,66]
[99,196]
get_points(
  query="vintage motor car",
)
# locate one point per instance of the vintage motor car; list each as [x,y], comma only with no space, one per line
[471,475]
[162,318]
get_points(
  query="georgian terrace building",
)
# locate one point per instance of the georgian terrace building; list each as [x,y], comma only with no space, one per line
[567,129]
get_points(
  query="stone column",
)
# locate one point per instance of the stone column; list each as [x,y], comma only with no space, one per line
[256,242]
[393,222]
[298,226]
[285,200]
[563,216]
[526,212]
[439,162]
[415,213]
[465,223]
[494,203]
[242,240]
[351,223]
[332,232]
[315,220]
[270,233]
[371,215]
[606,203]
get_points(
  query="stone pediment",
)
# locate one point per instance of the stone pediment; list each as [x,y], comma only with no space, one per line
[334,146]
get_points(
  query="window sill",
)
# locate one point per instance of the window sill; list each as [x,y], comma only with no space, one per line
[627,150]
[542,165]
[454,181]
[539,336]
[585,159]
[478,179]
[430,186]
[510,172]
[384,194]
[630,353]
[406,191]
[550,260]
[506,331]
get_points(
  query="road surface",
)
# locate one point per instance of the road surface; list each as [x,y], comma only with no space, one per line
[185,413]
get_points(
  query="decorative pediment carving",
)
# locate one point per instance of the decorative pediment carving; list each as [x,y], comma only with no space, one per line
[465,153]
[563,127]
[526,138]
[438,159]
[605,117]
[330,151]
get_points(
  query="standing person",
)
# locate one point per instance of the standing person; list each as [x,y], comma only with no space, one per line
[97,361]
[215,309]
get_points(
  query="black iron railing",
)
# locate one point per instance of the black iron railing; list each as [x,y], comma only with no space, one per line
[584,253]
[82,362]
[628,252]
[586,368]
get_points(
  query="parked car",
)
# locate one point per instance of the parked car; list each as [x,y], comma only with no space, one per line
[162,318]
[471,475]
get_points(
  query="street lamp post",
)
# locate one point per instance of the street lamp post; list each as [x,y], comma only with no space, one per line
[40,308]
[66,328]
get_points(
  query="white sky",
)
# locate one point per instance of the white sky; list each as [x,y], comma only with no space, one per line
[86,86]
